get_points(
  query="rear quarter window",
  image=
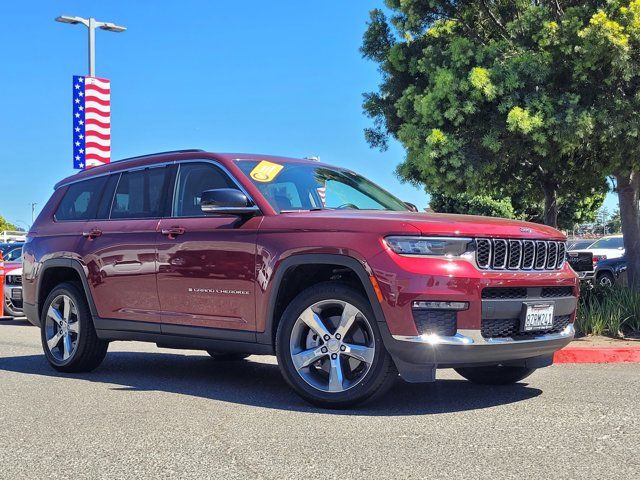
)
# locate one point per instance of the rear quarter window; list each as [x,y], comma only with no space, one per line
[80,201]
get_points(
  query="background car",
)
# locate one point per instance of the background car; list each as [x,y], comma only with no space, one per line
[605,248]
[579,243]
[7,247]
[611,272]
[12,286]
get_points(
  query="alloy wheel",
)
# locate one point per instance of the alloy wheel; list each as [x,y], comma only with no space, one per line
[62,328]
[332,345]
[605,281]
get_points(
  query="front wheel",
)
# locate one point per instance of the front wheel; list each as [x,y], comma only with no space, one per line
[495,374]
[329,347]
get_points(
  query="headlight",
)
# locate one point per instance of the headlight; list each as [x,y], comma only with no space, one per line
[436,246]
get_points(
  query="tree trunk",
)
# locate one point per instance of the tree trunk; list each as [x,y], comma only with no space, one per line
[629,197]
[550,204]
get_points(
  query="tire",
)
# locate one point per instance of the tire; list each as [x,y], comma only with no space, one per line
[495,374]
[227,356]
[331,376]
[605,280]
[84,350]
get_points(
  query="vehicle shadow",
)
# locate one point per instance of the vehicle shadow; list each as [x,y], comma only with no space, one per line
[14,322]
[252,382]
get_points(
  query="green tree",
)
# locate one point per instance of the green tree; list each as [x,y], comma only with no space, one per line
[471,205]
[607,73]
[482,97]
[5,225]
[614,225]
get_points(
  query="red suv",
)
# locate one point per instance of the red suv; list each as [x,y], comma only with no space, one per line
[242,254]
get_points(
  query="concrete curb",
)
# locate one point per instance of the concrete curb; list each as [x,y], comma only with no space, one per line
[598,355]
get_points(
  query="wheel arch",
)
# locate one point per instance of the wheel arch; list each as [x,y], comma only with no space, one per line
[358,268]
[56,271]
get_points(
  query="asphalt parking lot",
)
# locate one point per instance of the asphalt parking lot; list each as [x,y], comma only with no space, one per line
[157,413]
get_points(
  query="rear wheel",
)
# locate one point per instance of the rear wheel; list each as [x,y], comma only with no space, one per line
[68,337]
[227,356]
[329,347]
[495,374]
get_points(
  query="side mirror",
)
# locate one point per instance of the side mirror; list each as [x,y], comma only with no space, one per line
[227,201]
[411,206]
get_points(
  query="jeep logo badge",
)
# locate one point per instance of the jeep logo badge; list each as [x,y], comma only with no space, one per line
[525,230]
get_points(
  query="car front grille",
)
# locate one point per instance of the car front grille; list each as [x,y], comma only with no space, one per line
[510,328]
[501,254]
[14,280]
[435,322]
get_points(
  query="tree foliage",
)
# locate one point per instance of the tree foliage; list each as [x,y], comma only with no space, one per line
[483,98]
[471,205]
[5,225]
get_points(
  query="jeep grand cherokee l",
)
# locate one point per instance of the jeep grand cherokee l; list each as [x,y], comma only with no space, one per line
[242,254]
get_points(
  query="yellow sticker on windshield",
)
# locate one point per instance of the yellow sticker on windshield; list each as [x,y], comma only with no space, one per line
[265,171]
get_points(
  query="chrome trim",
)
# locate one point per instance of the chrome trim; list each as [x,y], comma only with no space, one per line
[433,339]
[474,337]
[541,248]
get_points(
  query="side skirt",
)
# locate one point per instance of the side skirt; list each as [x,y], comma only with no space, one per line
[182,337]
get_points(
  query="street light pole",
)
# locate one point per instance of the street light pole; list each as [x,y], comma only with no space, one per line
[91,24]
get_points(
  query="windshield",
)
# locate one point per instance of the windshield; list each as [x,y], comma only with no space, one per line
[613,242]
[14,255]
[302,186]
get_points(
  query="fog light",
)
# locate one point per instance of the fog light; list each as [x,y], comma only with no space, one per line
[440,305]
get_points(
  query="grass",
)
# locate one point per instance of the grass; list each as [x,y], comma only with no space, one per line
[613,312]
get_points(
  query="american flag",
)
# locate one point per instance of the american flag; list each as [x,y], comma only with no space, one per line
[91,122]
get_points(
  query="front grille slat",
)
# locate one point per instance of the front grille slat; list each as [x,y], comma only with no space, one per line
[541,255]
[483,252]
[515,254]
[14,280]
[501,254]
[499,259]
[562,255]
[528,254]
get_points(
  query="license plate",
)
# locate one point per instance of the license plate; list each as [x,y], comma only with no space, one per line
[16,294]
[538,317]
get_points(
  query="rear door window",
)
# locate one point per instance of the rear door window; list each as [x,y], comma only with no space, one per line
[80,200]
[141,194]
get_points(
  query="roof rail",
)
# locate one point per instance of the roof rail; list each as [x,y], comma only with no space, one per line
[186,150]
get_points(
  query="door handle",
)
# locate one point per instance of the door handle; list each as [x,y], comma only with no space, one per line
[93,233]
[173,232]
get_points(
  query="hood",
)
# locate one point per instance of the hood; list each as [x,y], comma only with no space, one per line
[426,224]
[13,268]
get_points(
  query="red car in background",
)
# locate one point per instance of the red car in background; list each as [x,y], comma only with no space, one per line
[12,281]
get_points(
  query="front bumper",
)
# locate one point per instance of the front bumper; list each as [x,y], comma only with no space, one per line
[418,357]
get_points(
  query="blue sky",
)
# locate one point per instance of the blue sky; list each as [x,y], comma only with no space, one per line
[282,77]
